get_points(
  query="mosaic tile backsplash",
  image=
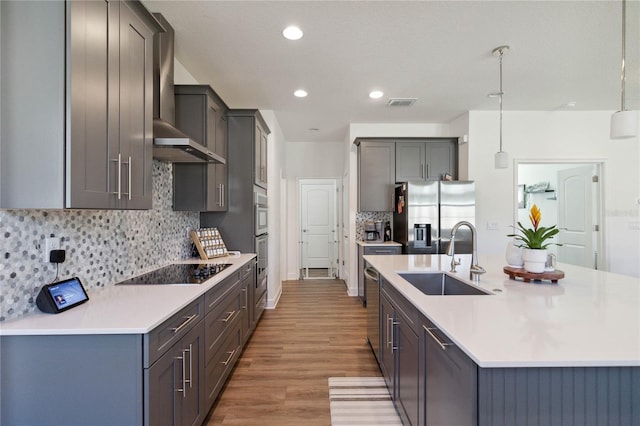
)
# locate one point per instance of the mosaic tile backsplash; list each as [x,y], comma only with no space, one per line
[102,246]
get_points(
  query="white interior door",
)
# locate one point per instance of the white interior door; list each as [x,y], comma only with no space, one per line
[576,216]
[318,227]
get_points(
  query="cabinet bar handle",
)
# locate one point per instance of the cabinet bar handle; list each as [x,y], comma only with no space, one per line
[246,301]
[228,316]
[442,344]
[184,385]
[128,193]
[389,320]
[220,195]
[129,185]
[422,171]
[230,357]
[118,162]
[184,324]
[190,365]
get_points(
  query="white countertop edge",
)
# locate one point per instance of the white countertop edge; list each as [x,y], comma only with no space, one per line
[100,314]
[391,265]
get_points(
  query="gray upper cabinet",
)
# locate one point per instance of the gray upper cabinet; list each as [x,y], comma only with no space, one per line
[87,141]
[420,160]
[201,114]
[376,175]
[261,134]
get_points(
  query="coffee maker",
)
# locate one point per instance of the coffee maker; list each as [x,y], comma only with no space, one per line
[374,231]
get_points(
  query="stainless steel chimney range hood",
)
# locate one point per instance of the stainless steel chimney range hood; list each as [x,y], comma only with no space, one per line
[169,143]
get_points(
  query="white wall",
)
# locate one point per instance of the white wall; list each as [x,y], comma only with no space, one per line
[557,136]
[305,160]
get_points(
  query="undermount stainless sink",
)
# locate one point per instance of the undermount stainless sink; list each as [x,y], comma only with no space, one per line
[441,284]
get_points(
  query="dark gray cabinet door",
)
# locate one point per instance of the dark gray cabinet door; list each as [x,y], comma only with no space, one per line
[175,383]
[408,371]
[136,110]
[261,156]
[200,113]
[451,377]
[376,176]
[410,161]
[441,159]
[387,343]
[92,172]
[422,160]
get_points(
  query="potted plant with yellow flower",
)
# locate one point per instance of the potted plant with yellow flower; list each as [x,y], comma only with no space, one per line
[534,241]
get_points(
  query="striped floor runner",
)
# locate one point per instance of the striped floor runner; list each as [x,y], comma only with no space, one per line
[361,401]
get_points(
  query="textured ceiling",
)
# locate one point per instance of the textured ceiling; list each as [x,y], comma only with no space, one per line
[436,51]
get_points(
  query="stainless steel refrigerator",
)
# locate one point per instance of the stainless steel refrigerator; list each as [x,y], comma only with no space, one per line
[425,212]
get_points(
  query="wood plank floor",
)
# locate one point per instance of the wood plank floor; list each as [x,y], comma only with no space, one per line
[315,332]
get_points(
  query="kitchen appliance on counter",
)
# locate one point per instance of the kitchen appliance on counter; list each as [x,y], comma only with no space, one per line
[179,273]
[374,231]
[425,212]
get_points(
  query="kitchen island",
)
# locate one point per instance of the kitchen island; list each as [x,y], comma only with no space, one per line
[532,353]
[132,355]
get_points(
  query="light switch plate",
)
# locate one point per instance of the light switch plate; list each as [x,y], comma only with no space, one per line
[492,225]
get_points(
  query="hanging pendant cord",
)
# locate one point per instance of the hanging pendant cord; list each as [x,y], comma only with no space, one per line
[622,78]
[501,93]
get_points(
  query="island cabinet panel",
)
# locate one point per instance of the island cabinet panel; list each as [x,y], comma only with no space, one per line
[71,380]
[401,353]
[559,396]
[449,380]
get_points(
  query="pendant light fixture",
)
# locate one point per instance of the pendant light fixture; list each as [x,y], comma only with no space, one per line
[624,124]
[501,158]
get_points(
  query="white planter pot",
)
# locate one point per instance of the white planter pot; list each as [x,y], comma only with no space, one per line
[534,260]
[514,255]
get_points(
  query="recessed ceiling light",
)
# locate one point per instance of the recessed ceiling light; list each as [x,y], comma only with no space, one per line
[313,129]
[376,94]
[570,104]
[292,33]
[300,93]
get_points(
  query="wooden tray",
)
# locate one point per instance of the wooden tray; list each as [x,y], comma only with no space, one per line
[209,243]
[514,273]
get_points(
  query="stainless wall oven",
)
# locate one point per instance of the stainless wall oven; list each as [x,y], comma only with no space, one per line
[260,205]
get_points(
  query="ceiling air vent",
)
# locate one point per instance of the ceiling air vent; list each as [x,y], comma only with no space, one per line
[401,102]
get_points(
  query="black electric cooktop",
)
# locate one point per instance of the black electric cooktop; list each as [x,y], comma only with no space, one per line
[178,273]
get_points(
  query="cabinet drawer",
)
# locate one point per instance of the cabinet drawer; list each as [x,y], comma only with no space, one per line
[214,296]
[383,250]
[161,338]
[246,270]
[220,320]
[217,368]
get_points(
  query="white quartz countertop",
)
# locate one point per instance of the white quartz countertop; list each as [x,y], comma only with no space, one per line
[588,319]
[122,309]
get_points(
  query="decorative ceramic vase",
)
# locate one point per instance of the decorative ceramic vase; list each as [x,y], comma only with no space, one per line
[514,255]
[534,260]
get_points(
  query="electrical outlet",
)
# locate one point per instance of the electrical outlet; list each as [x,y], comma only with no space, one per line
[50,243]
[492,225]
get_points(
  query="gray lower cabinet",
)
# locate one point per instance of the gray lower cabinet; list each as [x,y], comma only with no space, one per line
[201,114]
[433,382]
[422,160]
[85,106]
[450,378]
[377,250]
[376,175]
[174,383]
[169,376]
[400,353]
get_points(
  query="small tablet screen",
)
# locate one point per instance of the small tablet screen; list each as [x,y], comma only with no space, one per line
[68,293]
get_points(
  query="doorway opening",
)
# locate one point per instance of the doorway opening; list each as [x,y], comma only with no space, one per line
[569,195]
[319,251]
